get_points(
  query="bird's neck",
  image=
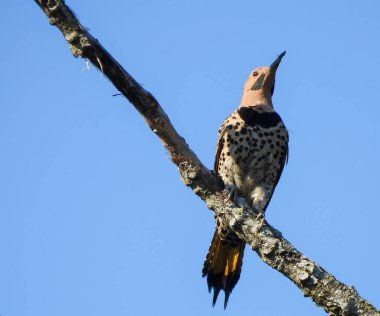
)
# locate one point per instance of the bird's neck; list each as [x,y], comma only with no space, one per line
[256,98]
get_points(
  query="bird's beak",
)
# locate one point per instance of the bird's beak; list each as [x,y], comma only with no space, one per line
[269,80]
[273,67]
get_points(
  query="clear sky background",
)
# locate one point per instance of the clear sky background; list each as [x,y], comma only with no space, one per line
[93,217]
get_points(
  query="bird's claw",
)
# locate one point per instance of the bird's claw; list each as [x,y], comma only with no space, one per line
[261,219]
[230,194]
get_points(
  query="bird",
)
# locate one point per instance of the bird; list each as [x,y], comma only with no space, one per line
[251,152]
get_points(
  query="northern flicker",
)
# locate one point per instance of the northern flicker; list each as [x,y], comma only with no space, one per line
[251,152]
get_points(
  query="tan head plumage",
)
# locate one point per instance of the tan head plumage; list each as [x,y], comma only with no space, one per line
[259,87]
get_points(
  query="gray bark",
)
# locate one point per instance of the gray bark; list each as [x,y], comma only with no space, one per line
[314,281]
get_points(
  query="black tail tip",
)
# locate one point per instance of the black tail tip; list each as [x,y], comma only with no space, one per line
[226,296]
[215,296]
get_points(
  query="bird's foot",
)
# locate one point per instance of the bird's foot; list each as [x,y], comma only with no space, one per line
[260,222]
[230,194]
[261,219]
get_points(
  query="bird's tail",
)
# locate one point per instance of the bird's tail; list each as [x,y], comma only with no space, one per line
[223,266]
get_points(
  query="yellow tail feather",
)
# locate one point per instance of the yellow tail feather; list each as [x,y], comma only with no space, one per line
[223,266]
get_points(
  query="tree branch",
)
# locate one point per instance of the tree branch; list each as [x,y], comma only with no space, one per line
[315,282]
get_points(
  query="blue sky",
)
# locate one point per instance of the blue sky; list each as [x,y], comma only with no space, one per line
[93,217]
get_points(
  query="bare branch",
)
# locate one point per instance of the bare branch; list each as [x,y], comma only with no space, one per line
[315,282]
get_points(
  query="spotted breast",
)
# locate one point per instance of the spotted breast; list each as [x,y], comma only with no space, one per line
[251,154]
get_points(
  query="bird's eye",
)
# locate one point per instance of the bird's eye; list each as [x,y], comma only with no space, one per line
[255,74]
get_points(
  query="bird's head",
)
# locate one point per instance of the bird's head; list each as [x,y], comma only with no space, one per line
[259,87]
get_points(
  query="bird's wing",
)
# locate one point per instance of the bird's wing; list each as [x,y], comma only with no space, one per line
[220,144]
